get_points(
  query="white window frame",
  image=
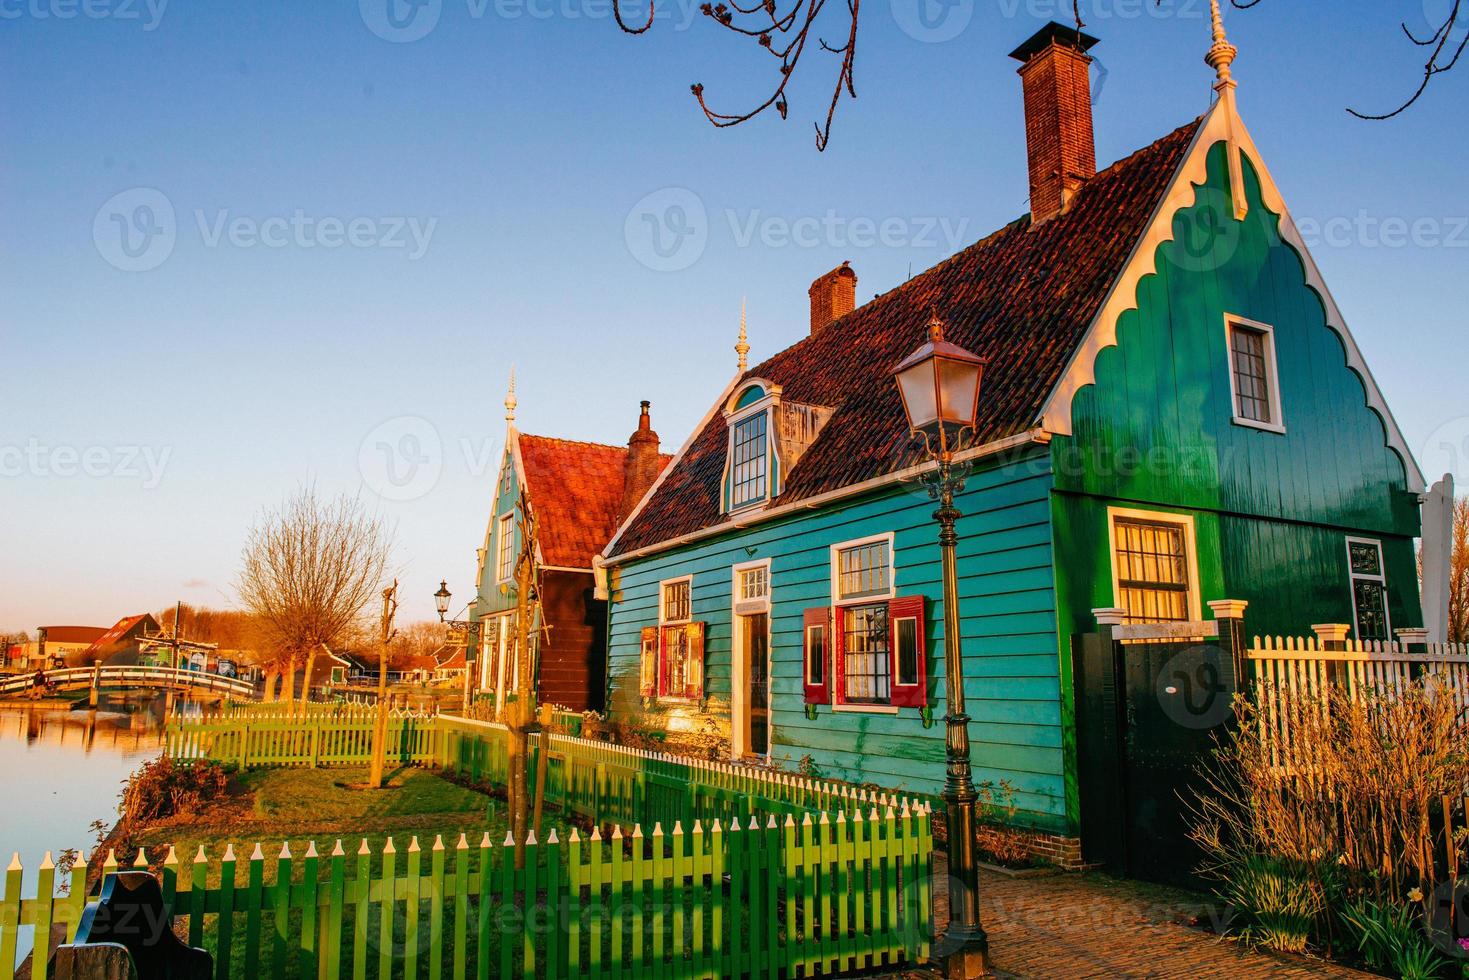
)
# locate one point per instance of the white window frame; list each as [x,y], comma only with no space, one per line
[740,680]
[1380,578]
[838,697]
[767,403]
[504,545]
[664,622]
[1272,374]
[1190,544]
[663,619]
[836,570]
[759,408]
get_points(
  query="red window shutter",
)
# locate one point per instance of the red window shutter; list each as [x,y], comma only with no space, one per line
[820,618]
[837,642]
[694,669]
[648,663]
[911,610]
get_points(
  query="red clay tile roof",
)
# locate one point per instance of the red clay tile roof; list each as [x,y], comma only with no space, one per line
[1022,297]
[575,489]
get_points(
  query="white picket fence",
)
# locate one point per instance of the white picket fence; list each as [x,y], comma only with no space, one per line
[1285,671]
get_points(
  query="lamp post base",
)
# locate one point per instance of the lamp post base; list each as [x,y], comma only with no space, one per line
[971,959]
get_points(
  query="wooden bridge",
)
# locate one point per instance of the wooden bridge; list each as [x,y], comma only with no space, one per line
[129,677]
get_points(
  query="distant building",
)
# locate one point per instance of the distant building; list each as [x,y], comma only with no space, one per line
[118,646]
[578,493]
[51,647]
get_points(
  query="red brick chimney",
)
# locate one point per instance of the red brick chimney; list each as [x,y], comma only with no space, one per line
[1058,117]
[833,296]
[642,465]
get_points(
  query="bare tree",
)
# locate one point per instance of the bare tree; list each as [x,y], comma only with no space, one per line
[785,33]
[1459,574]
[521,712]
[309,569]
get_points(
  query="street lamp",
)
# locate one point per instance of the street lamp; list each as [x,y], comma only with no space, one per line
[468,628]
[939,384]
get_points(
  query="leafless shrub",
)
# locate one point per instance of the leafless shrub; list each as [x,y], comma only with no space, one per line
[1349,790]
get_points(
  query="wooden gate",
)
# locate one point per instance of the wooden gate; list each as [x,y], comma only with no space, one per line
[1150,703]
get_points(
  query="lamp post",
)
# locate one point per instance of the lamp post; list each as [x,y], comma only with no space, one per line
[469,628]
[939,384]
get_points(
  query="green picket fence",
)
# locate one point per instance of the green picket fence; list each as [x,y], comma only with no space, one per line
[342,739]
[762,874]
[612,784]
[785,898]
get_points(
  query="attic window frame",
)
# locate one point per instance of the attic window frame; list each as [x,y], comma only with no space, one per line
[504,548]
[734,417]
[1266,332]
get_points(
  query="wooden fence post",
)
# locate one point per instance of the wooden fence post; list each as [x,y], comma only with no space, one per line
[1230,614]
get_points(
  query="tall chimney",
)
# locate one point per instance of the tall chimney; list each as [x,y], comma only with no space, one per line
[641,467]
[833,296]
[1058,117]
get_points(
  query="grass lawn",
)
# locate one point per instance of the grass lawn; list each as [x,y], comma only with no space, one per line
[268,806]
[323,805]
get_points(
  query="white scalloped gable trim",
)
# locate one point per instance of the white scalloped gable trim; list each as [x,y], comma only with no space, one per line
[1219,125]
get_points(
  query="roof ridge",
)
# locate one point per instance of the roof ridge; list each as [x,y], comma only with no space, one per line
[978,243]
[574,442]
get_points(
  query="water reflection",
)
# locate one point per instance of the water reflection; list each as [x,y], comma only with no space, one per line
[67,768]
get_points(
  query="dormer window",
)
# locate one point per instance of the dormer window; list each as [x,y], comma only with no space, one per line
[749,461]
[750,475]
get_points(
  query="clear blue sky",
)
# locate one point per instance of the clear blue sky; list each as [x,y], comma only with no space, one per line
[150,414]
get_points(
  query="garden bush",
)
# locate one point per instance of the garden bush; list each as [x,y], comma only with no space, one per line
[1323,821]
[163,788]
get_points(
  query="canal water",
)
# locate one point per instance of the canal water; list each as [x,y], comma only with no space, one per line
[64,769]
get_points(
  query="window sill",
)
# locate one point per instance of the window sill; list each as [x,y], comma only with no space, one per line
[868,709]
[1262,426]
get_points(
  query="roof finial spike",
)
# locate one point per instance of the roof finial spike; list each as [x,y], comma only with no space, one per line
[935,325]
[1221,53]
[742,347]
[510,400]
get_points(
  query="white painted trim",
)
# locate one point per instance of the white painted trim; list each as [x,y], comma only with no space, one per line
[835,551]
[739,522]
[1380,578]
[826,655]
[1221,123]
[734,584]
[1190,543]
[521,482]
[765,405]
[501,521]
[1272,373]
[662,586]
[694,434]
[864,709]
[739,729]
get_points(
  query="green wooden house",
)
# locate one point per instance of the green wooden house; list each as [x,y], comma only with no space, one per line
[578,493]
[1173,412]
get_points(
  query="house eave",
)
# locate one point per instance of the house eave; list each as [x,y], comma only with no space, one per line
[1035,436]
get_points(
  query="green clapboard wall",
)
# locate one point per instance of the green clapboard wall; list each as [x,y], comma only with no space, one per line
[1272,511]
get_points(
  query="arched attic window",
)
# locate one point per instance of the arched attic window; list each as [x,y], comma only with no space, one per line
[752,466]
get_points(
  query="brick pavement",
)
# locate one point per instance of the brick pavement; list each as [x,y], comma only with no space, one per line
[1066,924]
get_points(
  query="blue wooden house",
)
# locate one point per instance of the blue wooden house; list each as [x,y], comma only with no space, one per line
[1173,412]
